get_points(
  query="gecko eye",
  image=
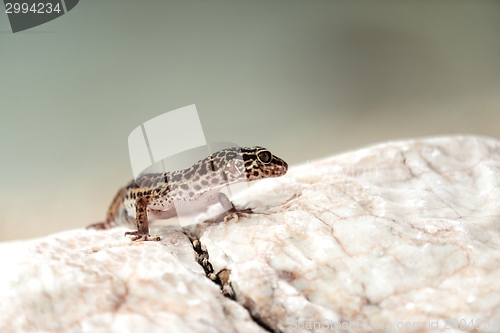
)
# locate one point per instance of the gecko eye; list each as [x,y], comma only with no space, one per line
[264,156]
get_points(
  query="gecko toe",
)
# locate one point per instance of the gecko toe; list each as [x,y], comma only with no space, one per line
[141,237]
[237,214]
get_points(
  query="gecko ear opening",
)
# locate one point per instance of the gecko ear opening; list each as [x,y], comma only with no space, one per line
[264,156]
[233,169]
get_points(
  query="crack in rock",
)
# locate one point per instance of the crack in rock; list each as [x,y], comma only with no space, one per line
[222,279]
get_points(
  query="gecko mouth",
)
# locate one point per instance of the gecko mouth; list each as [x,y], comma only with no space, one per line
[281,167]
[280,171]
[277,170]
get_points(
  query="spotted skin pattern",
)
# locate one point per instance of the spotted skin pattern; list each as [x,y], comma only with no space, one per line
[156,196]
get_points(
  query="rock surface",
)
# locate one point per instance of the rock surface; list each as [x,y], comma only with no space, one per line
[88,281]
[398,237]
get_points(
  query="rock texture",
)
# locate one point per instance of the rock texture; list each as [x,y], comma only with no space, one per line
[398,237]
[88,281]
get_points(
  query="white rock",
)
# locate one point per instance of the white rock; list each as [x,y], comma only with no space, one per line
[89,281]
[402,234]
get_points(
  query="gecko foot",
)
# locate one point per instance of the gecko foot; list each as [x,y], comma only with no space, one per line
[141,237]
[237,213]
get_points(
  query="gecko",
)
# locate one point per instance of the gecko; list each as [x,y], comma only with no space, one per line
[156,195]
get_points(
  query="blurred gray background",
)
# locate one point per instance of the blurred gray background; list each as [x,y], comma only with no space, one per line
[306,79]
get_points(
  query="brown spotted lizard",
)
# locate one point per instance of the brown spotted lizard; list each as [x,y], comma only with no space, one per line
[155,196]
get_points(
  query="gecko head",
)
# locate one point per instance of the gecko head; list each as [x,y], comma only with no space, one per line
[260,163]
[245,164]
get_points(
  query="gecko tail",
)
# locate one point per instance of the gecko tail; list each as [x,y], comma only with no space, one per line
[101,225]
[116,214]
[116,209]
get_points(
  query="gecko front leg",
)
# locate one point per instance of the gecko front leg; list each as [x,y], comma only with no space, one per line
[229,210]
[141,220]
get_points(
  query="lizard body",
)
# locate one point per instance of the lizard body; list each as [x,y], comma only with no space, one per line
[156,195]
